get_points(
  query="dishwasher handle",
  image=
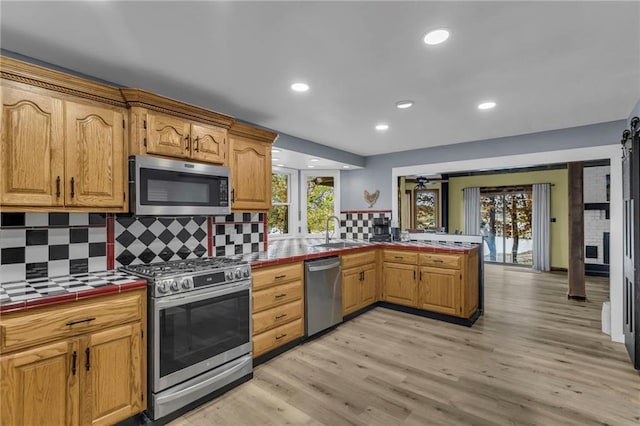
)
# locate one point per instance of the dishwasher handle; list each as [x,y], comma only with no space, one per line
[323,267]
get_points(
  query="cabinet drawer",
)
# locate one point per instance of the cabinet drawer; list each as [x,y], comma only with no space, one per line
[263,321]
[264,342]
[266,277]
[355,259]
[438,260]
[401,256]
[275,296]
[35,326]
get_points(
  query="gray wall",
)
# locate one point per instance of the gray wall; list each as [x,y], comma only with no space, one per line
[305,146]
[377,171]
[634,113]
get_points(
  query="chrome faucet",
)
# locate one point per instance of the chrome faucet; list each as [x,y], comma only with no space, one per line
[326,228]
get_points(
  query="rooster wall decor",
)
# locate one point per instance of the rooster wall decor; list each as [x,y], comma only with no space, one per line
[371,198]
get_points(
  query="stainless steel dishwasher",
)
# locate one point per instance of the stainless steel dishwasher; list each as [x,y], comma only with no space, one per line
[323,294]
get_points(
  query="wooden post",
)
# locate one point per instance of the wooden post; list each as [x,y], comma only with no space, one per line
[576,231]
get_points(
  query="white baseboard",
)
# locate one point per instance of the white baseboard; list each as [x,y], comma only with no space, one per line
[619,338]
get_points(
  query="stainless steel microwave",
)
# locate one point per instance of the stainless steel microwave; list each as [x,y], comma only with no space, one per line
[159,186]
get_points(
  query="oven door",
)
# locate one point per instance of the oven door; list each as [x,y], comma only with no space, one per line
[197,332]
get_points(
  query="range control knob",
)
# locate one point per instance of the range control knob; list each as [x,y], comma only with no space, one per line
[186,284]
[229,275]
[246,273]
[238,273]
[174,285]
[162,287]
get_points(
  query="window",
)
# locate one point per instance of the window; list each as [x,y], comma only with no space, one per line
[426,209]
[281,220]
[320,200]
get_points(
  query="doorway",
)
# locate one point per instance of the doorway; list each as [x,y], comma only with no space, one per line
[505,219]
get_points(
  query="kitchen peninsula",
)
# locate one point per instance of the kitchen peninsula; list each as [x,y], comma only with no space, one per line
[436,279]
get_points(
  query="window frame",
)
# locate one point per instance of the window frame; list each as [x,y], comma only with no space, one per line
[293,203]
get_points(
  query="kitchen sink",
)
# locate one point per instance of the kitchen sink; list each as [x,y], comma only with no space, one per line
[340,244]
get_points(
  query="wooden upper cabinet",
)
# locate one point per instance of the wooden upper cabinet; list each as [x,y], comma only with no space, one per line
[94,155]
[170,128]
[56,127]
[32,149]
[209,143]
[167,135]
[250,162]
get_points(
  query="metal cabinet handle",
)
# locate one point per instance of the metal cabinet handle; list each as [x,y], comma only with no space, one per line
[73,187]
[233,191]
[186,143]
[58,187]
[278,296]
[80,321]
[281,336]
[87,365]
[438,260]
[398,257]
[277,277]
[196,146]
[74,358]
[280,316]
[420,275]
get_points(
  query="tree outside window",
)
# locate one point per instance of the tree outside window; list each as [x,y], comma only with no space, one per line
[278,217]
[320,203]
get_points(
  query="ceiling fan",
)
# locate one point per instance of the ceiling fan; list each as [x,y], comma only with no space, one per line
[423,181]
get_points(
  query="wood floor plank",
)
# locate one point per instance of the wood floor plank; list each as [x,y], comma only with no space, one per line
[535,357]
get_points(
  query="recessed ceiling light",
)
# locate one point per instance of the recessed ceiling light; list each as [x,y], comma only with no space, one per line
[404,104]
[275,150]
[280,165]
[345,167]
[275,159]
[310,166]
[487,105]
[300,87]
[382,127]
[436,36]
[314,160]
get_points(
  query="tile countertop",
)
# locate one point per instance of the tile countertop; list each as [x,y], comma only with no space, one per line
[19,295]
[297,249]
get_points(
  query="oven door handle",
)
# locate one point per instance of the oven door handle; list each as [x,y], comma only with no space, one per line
[196,296]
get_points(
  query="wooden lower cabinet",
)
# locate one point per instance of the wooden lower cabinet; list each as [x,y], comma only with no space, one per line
[39,386]
[278,306]
[399,283]
[91,378]
[439,290]
[445,283]
[359,288]
[114,374]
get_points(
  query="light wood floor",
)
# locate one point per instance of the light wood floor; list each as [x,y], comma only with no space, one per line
[534,358]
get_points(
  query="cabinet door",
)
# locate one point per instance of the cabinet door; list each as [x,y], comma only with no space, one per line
[251,174]
[40,386]
[209,143]
[369,284]
[94,156]
[399,283]
[112,361]
[168,136]
[32,160]
[351,289]
[439,290]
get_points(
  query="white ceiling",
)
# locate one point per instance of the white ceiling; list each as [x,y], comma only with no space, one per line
[548,65]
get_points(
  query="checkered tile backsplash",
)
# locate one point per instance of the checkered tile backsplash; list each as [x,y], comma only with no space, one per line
[359,225]
[147,239]
[40,245]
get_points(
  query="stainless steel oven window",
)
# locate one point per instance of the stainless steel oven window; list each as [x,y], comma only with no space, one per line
[195,333]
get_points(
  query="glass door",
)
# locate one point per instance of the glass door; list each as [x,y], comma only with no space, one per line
[506,225]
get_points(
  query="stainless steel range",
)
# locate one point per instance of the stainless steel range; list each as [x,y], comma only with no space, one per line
[199,329]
